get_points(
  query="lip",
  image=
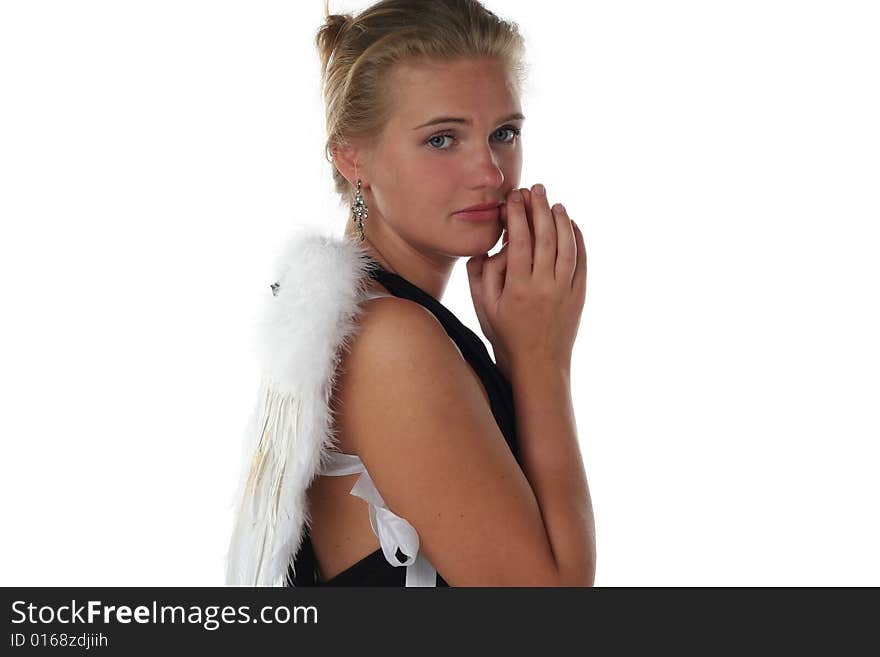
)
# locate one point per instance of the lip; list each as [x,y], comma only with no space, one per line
[493,213]
[482,206]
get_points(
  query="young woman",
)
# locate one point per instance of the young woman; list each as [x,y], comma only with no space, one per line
[446,468]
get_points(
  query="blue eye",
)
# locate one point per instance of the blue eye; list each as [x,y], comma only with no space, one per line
[431,139]
[513,129]
[508,128]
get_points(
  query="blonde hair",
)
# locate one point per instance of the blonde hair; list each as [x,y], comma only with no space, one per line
[357,52]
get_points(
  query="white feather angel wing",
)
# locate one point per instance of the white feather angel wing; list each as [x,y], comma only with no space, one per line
[310,318]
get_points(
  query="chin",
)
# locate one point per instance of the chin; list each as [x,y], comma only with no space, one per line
[481,245]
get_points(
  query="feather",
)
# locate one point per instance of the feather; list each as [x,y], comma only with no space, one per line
[309,320]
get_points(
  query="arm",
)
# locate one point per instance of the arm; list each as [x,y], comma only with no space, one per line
[415,414]
[552,462]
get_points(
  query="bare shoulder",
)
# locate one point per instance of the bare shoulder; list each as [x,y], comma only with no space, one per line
[396,340]
[384,316]
[384,323]
[412,409]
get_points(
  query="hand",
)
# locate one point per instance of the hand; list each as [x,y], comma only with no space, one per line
[529,296]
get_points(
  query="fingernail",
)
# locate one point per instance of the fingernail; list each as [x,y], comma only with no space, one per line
[515,196]
[539,189]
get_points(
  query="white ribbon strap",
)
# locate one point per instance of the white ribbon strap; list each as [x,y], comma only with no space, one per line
[392,531]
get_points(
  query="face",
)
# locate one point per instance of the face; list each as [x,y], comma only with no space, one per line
[421,175]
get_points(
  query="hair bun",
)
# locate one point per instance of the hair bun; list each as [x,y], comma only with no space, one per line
[336,22]
[328,36]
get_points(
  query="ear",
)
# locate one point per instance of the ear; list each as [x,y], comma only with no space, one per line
[349,161]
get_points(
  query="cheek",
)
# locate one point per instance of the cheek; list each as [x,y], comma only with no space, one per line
[413,188]
[511,165]
[412,170]
[430,178]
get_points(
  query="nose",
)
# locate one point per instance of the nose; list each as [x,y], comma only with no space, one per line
[487,172]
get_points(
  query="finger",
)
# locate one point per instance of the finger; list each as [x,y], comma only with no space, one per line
[566,247]
[544,263]
[474,268]
[527,200]
[494,272]
[474,265]
[579,279]
[519,248]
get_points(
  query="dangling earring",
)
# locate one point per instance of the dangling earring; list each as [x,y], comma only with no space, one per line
[359,210]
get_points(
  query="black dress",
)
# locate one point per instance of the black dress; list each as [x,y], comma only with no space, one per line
[374,569]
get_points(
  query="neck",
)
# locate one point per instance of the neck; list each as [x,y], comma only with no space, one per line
[428,271]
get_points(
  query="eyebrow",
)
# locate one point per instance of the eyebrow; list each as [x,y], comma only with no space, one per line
[456,119]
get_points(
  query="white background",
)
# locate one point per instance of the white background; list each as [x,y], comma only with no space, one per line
[722,158]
